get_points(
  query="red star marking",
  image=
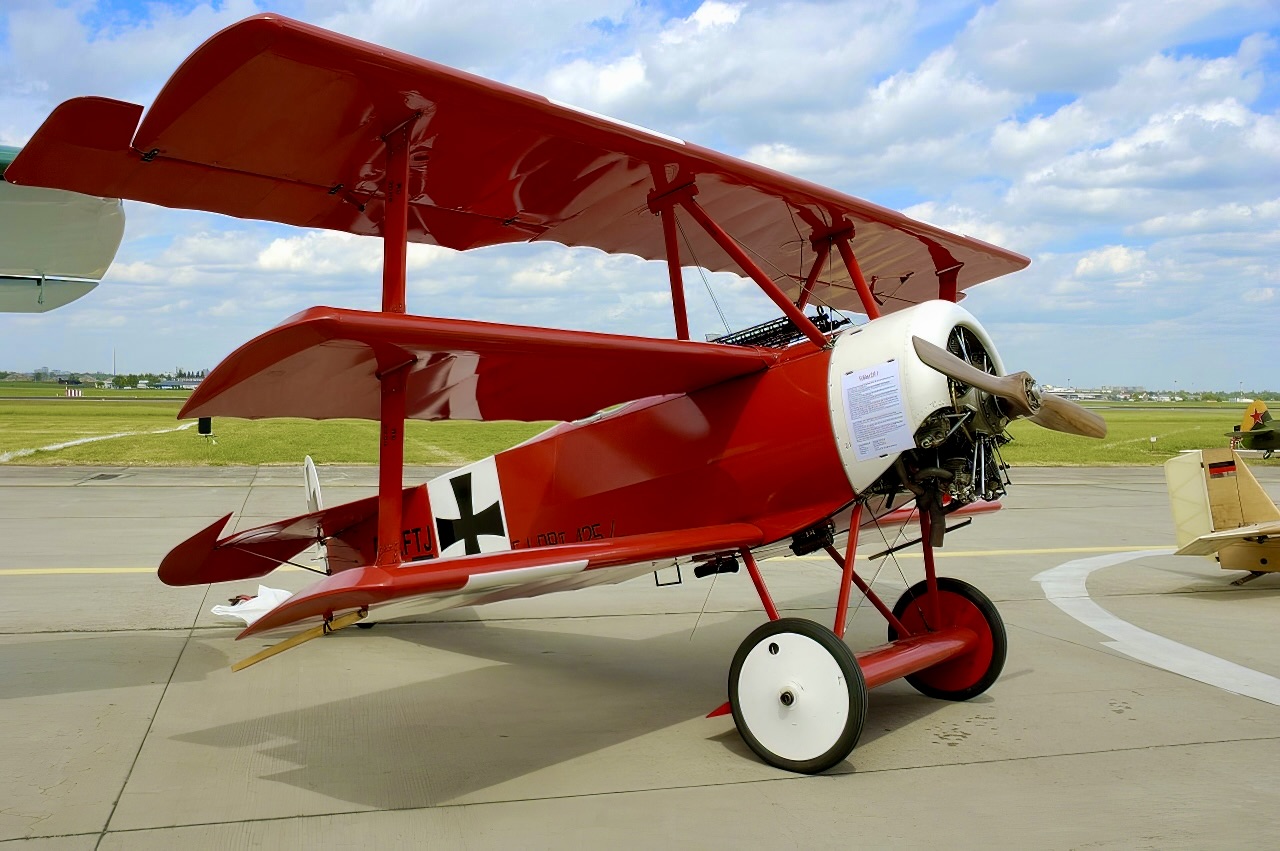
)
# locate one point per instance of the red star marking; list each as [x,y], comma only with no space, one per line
[1257,417]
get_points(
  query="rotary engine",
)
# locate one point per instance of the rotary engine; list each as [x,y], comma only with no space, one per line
[958,447]
[920,401]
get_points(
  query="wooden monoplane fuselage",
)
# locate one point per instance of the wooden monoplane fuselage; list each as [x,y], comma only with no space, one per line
[670,451]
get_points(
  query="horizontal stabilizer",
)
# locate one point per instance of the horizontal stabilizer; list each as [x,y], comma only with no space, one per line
[324,363]
[1213,542]
[530,572]
[347,529]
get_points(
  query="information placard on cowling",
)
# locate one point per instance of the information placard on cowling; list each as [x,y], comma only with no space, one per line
[877,417]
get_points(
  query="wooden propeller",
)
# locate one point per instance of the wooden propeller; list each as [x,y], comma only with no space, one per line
[1019,391]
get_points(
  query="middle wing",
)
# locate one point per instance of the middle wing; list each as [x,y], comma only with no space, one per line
[324,363]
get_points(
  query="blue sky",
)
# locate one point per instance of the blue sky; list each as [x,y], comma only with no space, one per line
[1132,150]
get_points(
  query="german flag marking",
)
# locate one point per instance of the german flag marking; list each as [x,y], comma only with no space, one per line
[1220,469]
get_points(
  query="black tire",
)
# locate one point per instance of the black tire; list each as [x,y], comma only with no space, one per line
[965,677]
[850,678]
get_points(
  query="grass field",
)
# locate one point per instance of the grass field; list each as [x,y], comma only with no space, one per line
[1128,440]
[151,440]
[37,423]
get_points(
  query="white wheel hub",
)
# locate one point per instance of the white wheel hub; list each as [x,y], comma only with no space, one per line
[792,696]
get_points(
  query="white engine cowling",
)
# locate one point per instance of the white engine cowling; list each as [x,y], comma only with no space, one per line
[879,391]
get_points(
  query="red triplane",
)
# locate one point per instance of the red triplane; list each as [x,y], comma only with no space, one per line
[787,437]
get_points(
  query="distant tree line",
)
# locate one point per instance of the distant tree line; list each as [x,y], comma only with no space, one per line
[118,381]
[132,379]
[1217,396]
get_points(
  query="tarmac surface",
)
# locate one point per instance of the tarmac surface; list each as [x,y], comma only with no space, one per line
[578,719]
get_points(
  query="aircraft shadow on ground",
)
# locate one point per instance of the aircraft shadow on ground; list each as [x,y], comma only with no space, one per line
[553,697]
[1224,592]
[99,661]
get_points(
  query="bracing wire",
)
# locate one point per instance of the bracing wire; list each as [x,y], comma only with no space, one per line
[703,610]
[706,283]
[896,563]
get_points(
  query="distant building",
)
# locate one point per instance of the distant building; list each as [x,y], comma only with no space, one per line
[178,384]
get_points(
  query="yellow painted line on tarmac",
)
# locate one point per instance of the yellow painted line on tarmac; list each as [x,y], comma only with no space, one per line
[1035,551]
[59,571]
[88,571]
[100,571]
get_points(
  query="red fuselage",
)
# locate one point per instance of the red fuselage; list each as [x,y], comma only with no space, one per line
[757,449]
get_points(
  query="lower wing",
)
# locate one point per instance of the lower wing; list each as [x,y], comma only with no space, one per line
[488,577]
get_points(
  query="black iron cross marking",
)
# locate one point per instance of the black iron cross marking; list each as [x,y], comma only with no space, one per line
[470,525]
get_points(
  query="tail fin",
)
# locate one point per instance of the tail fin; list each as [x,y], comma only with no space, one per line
[315,504]
[311,481]
[1212,490]
[1255,415]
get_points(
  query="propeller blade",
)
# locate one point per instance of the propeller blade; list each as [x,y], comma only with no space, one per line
[1064,415]
[1014,389]
[1018,391]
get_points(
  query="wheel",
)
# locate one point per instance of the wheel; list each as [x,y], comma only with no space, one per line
[798,695]
[971,673]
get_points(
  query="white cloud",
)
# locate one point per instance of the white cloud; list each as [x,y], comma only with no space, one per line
[1229,216]
[582,82]
[1074,45]
[1110,262]
[789,159]
[322,253]
[711,15]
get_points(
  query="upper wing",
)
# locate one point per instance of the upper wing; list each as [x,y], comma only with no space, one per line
[278,120]
[488,577]
[1212,542]
[324,363]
